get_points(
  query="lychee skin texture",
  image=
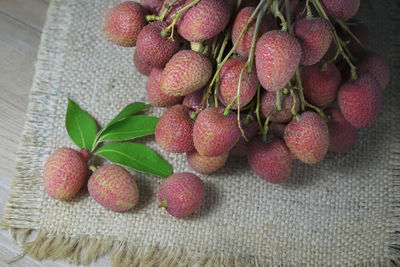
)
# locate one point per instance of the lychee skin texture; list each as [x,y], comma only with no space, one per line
[342,135]
[320,86]
[341,9]
[270,160]
[315,37]
[214,134]
[154,49]
[203,164]
[186,72]
[244,45]
[155,95]
[360,100]
[182,193]
[124,22]
[268,106]
[375,65]
[241,147]
[153,6]
[204,20]
[141,65]
[193,100]
[308,137]
[113,187]
[277,57]
[174,130]
[229,78]
[65,172]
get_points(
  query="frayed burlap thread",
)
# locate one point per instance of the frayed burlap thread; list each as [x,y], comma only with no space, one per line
[343,211]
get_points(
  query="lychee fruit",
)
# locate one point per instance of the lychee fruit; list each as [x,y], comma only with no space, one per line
[270,159]
[186,72]
[268,106]
[277,57]
[204,164]
[307,137]
[153,6]
[124,22]
[174,130]
[342,135]
[320,83]
[204,20]
[153,48]
[375,65]
[244,45]
[155,95]
[360,100]
[181,194]
[65,172]
[250,130]
[228,83]
[214,133]
[341,9]
[315,37]
[113,187]
[141,65]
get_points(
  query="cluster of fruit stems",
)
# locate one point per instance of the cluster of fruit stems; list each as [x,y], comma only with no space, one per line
[218,50]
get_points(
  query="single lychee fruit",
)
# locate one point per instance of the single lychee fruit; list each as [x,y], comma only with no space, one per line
[174,130]
[250,131]
[342,135]
[153,6]
[113,187]
[65,172]
[277,57]
[315,37]
[229,79]
[155,49]
[270,159]
[204,20]
[124,22]
[320,83]
[214,133]
[269,108]
[186,72]
[141,65]
[360,100]
[341,9]
[181,194]
[243,48]
[203,164]
[307,137]
[155,95]
[375,65]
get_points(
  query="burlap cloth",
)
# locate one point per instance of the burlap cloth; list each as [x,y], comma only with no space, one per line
[342,211]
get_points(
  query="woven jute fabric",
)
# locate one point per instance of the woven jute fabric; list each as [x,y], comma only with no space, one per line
[343,211]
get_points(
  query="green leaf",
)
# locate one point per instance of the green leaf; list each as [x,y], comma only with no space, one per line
[129,110]
[136,156]
[81,127]
[130,128]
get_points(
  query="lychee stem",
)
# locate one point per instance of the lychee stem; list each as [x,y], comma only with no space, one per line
[346,29]
[278,103]
[338,42]
[238,100]
[288,18]
[162,204]
[246,26]
[92,168]
[250,59]
[197,46]
[278,14]
[162,17]
[175,17]
[309,13]
[266,128]
[293,109]
[258,108]
[301,94]
[318,110]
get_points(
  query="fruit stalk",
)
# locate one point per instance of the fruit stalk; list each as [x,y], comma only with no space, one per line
[250,60]
[162,17]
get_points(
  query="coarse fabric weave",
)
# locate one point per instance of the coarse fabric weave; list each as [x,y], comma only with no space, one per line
[343,211]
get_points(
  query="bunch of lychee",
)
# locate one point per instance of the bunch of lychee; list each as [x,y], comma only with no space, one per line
[273,80]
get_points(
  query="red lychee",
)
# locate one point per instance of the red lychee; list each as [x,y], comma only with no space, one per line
[203,164]
[375,65]
[341,9]
[250,131]
[141,65]
[155,95]
[268,106]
